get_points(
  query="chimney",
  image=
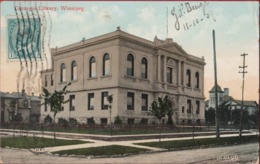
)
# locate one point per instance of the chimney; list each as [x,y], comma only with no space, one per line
[226,92]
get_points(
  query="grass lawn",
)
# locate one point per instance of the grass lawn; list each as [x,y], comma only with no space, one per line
[36,142]
[104,150]
[201,142]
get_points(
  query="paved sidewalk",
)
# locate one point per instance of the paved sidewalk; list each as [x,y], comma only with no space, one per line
[98,143]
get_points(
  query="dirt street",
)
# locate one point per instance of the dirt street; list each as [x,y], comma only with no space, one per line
[246,153]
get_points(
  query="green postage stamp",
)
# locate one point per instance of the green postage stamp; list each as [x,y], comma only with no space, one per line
[24,38]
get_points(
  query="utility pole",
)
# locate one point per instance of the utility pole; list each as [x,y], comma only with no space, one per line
[242,103]
[216,87]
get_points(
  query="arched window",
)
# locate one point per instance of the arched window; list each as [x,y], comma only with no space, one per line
[92,67]
[197,77]
[130,65]
[106,64]
[62,73]
[74,70]
[144,68]
[188,78]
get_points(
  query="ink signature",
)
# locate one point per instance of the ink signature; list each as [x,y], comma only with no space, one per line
[186,9]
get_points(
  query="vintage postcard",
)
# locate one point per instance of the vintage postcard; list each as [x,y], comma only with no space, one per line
[143,81]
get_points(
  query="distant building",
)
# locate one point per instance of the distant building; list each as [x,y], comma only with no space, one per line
[24,109]
[223,97]
[132,69]
[250,106]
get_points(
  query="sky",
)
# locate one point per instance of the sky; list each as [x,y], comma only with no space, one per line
[190,24]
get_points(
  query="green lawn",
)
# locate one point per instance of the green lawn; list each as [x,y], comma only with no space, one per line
[201,142]
[104,150]
[36,142]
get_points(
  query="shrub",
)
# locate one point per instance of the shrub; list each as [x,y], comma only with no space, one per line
[117,120]
[63,121]
[73,121]
[144,121]
[91,121]
[47,119]
[18,118]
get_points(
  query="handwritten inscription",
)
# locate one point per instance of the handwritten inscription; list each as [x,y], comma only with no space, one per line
[187,10]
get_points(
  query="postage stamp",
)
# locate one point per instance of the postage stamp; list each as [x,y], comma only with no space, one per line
[24,37]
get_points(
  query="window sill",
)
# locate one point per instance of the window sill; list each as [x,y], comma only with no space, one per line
[130,77]
[105,76]
[143,79]
[74,81]
[172,85]
[188,88]
[196,89]
[64,82]
[92,78]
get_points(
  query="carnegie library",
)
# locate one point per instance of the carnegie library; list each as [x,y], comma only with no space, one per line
[134,70]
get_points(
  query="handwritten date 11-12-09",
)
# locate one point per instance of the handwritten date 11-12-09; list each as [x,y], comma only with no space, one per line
[186,9]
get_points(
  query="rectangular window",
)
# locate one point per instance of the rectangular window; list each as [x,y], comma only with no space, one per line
[91,101]
[188,106]
[130,101]
[144,121]
[182,109]
[62,107]
[144,102]
[46,81]
[197,107]
[72,102]
[45,106]
[104,102]
[220,98]
[169,75]
[103,120]
[51,79]
[130,121]
[51,108]
[90,121]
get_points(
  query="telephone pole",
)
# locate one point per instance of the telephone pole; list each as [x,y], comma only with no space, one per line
[216,87]
[242,103]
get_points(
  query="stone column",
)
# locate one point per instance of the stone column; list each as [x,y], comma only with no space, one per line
[165,69]
[159,68]
[179,73]
[183,74]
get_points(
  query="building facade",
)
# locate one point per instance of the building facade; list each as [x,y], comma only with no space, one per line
[19,107]
[134,70]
